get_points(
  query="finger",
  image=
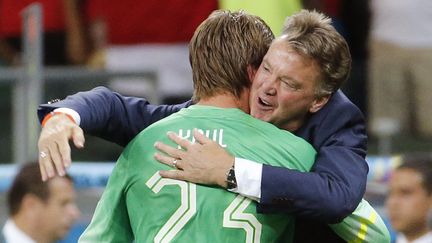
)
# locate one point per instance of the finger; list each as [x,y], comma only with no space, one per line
[47,163]
[42,170]
[178,164]
[78,137]
[173,152]
[164,159]
[201,138]
[172,174]
[184,143]
[56,159]
[65,152]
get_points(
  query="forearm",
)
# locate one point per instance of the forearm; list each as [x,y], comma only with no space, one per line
[97,109]
[109,115]
[328,194]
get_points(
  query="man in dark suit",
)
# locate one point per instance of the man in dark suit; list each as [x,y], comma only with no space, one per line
[335,128]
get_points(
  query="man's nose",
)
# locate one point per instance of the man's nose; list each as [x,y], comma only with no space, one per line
[270,86]
[74,211]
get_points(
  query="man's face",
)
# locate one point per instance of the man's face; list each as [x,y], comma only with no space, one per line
[407,202]
[283,89]
[60,210]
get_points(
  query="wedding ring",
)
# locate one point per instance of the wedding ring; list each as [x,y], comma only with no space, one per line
[43,154]
[175,163]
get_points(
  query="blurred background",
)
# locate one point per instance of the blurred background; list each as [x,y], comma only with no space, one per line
[52,48]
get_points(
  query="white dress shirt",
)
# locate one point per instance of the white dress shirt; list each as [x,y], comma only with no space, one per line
[248,175]
[13,234]
[71,113]
[427,238]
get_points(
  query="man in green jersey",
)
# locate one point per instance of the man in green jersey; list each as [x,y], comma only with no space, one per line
[140,205]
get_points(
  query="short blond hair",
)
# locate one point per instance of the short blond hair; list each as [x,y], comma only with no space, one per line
[222,48]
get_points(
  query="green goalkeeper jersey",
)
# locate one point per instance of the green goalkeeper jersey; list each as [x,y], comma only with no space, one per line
[139,205]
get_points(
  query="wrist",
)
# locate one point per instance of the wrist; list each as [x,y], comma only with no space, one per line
[221,178]
[56,113]
[231,181]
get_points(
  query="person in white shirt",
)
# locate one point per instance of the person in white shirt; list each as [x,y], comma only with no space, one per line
[399,69]
[409,202]
[41,212]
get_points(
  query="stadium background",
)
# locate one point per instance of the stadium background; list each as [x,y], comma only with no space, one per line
[93,164]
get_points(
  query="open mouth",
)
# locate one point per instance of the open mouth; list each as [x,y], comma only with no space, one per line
[264,103]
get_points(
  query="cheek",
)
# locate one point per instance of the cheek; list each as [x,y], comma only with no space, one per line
[256,113]
[420,209]
[291,103]
[258,80]
[409,208]
[253,91]
[58,212]
[255,86]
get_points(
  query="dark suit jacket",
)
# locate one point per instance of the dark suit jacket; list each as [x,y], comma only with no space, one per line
[327,195]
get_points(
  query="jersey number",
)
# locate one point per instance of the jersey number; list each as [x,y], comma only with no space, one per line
[234,215]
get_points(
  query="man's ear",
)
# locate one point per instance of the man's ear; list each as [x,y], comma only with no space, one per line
[31,202]
[319,103]
[251,72]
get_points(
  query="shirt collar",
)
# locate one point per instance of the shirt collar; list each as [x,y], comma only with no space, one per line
[12,233]
[426,238]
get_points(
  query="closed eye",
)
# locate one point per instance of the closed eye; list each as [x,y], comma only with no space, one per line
[290,84]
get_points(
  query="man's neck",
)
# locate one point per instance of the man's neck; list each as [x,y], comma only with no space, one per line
[293,126]
[30,228]
[226,101]
[419,232]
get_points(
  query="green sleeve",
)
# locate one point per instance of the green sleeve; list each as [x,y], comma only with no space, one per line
[363,225]
[110,222]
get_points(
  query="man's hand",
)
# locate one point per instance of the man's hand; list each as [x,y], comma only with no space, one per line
[202,162]
[54,148]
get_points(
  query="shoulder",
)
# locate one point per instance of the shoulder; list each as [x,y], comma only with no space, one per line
[338,110]
[338,118]
[340,103]
[286,139]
